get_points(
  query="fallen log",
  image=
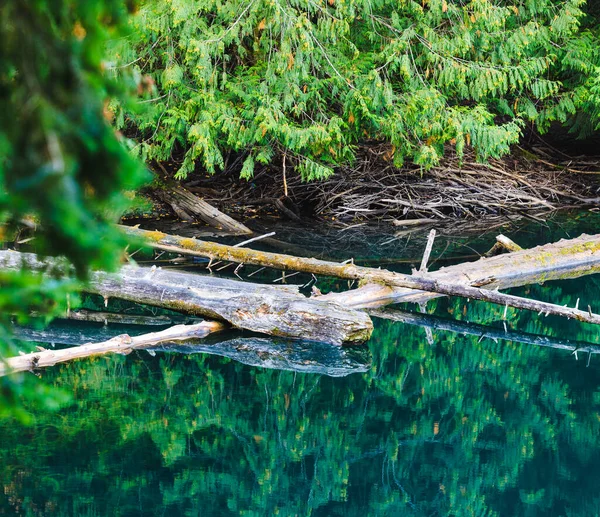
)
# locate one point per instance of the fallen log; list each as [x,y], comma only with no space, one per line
[120,344]
[492,296]
[275,310]
[429,321]
[188,207]
[564,259]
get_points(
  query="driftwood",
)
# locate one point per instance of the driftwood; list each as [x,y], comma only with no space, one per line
[189,207]
[428,321]
[414,222]
[564,259]
[275,310]
[120,344]
[273,353]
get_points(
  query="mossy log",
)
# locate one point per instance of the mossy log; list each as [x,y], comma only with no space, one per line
[122,344]
[564,259]
[274,310]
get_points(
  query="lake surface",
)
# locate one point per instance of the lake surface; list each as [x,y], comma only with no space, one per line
[433,422]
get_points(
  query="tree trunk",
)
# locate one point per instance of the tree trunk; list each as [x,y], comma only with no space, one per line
[275,310]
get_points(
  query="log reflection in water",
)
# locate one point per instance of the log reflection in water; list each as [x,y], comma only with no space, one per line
[272,353]
[483,331]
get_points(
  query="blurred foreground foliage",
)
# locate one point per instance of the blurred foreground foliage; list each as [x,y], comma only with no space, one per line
[61,163]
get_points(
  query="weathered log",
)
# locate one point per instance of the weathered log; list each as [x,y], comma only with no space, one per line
[429,321]
[275,310]
[121,344]
[414,222]
[186,204]
[486,295]
[273,353]
[564,259]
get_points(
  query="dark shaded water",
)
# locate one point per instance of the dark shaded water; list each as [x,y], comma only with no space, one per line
[440,424]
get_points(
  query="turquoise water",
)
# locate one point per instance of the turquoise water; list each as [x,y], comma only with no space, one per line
[434,422]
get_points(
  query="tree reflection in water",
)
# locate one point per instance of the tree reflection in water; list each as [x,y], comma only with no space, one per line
[460,427]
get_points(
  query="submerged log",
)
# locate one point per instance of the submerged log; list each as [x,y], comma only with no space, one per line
[120,344]
[125,319]
[280,354]
[275,310]
[66,332]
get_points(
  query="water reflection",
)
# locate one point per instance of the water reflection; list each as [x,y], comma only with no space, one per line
[459,427]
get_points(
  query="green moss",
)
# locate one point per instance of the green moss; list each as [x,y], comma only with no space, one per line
[154,236]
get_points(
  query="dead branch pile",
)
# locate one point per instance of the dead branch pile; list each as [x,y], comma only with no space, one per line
[374,188]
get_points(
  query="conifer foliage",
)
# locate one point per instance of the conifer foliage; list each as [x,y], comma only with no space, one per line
[309,80]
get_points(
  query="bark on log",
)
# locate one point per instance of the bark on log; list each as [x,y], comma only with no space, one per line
[121,344]
[275,310]
[564,259]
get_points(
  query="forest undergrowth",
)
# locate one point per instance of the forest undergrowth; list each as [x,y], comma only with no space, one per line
[533,181]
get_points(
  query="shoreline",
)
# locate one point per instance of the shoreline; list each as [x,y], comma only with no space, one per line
[374,190]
